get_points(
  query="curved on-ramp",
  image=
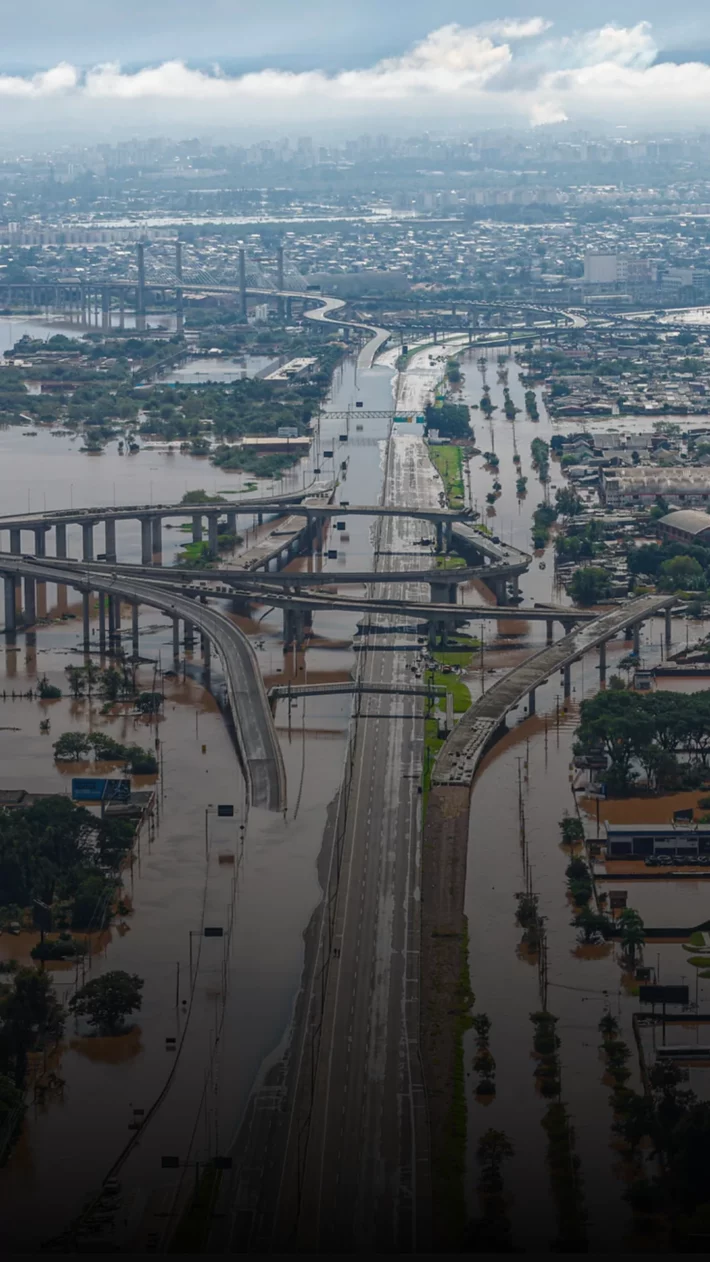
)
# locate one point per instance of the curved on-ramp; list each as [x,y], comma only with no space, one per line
[257,742]
[459,757]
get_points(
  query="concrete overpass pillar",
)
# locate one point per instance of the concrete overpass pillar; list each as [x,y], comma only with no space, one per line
[232,523]
[550,630]
[602,662]
[16,540]
[516,586]
[439,593]
[111,623]
[567,682]
[637,638]
[189,640]
[117,616]
[41,541]
[146,541]
[176,640]
[135,633]
[86,619]
[453,593]
[448,536]
[157,537]
[197,527]
[531,702]
[206,651]
[10,609]
[213,534]
[668,627]
[87,536]
[440,536]
[60,539]
[110,538]
[30,602]
[287,626]
[102,622]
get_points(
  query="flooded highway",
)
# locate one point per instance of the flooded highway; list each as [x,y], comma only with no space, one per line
[260,882]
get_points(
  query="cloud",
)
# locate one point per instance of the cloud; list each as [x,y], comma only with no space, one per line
[503,71]
[60,79]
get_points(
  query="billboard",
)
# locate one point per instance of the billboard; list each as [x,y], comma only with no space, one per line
[97,789]
[664,994]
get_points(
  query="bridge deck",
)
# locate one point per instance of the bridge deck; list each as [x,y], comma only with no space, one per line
[460,755]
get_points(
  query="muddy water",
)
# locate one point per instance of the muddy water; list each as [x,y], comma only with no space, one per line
[267,891]
[583,982]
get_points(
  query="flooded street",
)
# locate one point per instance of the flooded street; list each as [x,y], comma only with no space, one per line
[256,877]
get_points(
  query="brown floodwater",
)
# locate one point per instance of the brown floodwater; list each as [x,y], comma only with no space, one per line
[536,754]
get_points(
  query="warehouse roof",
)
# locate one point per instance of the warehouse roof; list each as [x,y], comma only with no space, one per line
[690,520]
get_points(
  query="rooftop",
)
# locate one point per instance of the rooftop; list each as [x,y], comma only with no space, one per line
[691,520]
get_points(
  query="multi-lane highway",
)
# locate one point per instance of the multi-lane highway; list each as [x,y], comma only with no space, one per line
[364,1183]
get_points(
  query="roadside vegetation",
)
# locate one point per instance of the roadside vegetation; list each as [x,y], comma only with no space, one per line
[63,857]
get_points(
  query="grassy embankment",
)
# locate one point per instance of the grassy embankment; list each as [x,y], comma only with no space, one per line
[448,462]
[459,654]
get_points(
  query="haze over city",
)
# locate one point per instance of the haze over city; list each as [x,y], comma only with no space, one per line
[354,628]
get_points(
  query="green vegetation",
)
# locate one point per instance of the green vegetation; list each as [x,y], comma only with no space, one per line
[508,406]
[590,585]
[107,1000]
[651,729]
[633,934]
[486,406]
[452,420]
[31,1020]
[492,1232]
[453,372]
[448,462]
[543,518]
[262,465]
[63,856]
[201,497]
[484,1063]
[571,829]
[540,451]
[579,882]
[672,566]
[75,746]
[531,405]
[47,691]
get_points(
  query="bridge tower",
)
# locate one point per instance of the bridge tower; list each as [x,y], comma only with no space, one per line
[280,278]
[140,289]
[179,313]
[242,282]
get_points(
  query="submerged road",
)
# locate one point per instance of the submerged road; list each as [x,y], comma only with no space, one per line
[257,742]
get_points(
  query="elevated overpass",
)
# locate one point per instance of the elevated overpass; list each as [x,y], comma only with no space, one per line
[460,755]
[256,738]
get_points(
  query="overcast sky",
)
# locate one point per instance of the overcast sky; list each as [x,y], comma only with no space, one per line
[115,67]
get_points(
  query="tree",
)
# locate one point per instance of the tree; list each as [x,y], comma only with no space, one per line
[633,934]
[29,1015]
[590,585]
[572,830]
[47,691]
[75,677]
[681,571]
[108,1000]
[568,501]
[149,702]
[591,924]
[71,746]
